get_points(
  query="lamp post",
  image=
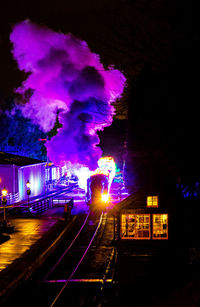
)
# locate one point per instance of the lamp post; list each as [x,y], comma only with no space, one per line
[28,185]
[124,154]
[47,167]
[4,202]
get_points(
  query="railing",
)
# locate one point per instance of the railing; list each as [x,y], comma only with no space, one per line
[41,206]
[12,198]
[60,201]
[36,205]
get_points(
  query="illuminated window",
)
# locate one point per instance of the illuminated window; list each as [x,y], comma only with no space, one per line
[47,174]
[135,226]
[152,201]
[160,226]
[54,171]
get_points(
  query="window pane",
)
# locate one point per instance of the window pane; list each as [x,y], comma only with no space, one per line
[135,226]
[152,201]
[160,226]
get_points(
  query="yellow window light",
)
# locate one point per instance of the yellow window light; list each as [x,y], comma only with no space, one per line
[152,201]
[135,226]
[160,227]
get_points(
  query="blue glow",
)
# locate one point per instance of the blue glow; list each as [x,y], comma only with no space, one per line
[189,191]
[36,176]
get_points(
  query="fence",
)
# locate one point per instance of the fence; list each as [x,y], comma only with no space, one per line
[35,206]
[12,198]
[40,206]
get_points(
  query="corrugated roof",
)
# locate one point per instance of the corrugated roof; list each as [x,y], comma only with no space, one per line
[7,158]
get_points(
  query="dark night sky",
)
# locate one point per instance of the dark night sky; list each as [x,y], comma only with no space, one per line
[155,43]
[124,32]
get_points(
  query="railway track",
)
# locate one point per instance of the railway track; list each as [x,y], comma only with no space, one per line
[75,252]
[69,276]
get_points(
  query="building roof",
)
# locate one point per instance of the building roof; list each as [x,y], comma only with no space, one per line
[7,158]
[131,202]
[138,201]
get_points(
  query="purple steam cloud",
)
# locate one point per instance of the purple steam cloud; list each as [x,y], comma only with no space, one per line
[64,75]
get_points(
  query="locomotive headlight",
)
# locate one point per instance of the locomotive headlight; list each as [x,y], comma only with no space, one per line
[105,197]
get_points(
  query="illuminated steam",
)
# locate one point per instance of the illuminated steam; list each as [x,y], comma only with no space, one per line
[64,75]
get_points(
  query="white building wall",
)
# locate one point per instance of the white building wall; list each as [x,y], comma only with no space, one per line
[36,175]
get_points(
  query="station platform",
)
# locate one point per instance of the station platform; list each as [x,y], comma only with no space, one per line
[23,251]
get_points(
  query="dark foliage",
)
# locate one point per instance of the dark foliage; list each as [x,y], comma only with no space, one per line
[19,135]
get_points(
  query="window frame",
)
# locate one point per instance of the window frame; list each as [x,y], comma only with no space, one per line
[138,215]
[153,226]
[154,198]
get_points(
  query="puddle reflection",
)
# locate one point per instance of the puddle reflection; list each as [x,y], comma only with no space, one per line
[28,231]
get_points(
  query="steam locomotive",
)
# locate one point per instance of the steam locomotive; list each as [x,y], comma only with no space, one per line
[98,184]
[97,192]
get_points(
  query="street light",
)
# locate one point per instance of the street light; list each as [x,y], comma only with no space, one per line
[47,167]
[28,185]
[4,202]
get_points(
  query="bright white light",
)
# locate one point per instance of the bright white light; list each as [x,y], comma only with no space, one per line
[83,173]
[107,164]
[105,198]
[4,192]
[28,184]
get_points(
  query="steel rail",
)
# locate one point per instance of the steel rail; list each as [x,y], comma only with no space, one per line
[80,261]
[68,248]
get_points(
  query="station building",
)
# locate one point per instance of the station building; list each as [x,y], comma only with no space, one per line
[144,235]
[147,221]
[16,170]
[143,217]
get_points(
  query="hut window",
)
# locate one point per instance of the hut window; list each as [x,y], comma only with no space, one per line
[152,201]
[160,226]
[135,226]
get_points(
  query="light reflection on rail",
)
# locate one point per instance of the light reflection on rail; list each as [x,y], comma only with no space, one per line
[78,280]
[80,261]
[73,241]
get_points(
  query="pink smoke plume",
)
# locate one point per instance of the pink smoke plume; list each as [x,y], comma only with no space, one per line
[64,75]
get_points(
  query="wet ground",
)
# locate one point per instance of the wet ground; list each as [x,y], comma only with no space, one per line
[149,282]
[29,230]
